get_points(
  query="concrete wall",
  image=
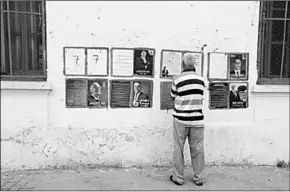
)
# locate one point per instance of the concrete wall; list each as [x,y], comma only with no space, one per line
[258,134]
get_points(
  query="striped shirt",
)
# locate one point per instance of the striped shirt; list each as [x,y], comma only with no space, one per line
[187,91]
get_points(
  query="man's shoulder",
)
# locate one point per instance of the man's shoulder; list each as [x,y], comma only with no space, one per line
[143,95]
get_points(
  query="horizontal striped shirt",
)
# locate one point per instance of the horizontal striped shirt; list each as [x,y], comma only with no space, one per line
[188,90]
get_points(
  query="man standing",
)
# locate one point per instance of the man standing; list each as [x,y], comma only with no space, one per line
[187,91]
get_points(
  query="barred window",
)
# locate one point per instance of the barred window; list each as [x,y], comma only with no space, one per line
[274,43]
[23,40]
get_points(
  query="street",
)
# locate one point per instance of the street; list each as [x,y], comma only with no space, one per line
[217,178]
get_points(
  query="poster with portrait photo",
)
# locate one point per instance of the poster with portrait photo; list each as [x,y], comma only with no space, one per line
[141,94]
[238,96]
[170,63]
[97,96]
[238,66]
[144,62]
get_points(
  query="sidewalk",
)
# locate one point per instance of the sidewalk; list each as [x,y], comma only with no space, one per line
[217,178]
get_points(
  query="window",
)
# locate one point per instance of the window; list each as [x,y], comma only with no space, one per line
[274,43]
[23,40]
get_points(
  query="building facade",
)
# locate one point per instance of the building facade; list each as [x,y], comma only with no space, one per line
[38,130]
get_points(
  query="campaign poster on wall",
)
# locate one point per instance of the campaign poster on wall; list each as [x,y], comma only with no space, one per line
[218,95]
[97,96]
[238,96]
[141,93]
[76,93]
[144,62]
[74,61]
[166,100]
[120,93]
[238,66]
[97,61]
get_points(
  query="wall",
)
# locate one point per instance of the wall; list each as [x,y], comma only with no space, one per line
[144,136]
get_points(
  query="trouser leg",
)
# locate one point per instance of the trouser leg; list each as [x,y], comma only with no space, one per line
[180,134]
[196,145]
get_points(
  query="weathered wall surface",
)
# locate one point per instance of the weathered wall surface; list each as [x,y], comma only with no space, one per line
[258,134]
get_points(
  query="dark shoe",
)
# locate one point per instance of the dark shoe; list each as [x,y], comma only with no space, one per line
[198,183]
[175,182]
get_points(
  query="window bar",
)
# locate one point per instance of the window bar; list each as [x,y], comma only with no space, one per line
[9,38]
[284,39]
[23,12]
[262,23]
[43,27]
[25,41]
[32,41]
[3,64]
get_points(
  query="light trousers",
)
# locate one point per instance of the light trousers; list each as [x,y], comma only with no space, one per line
[195,135]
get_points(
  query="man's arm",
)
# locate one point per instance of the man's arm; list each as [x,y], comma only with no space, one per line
[173,91]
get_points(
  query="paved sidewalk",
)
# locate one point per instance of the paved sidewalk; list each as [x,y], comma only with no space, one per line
[217,178]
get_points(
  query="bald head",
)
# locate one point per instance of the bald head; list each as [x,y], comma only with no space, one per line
[189,60]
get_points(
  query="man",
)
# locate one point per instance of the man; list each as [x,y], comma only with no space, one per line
[139,96]
[94,97]
[143,66]
[234,96]
[187,91]
[237,72]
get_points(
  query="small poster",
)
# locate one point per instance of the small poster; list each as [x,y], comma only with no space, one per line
[238,64]
[144,62]
[166,101]
[218,95]
[238,97]
[122,62]
[141,93]
[218,66]
[120,93]
[97,60]
[76,93]
[172,62]
[97,96]
[74,61]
